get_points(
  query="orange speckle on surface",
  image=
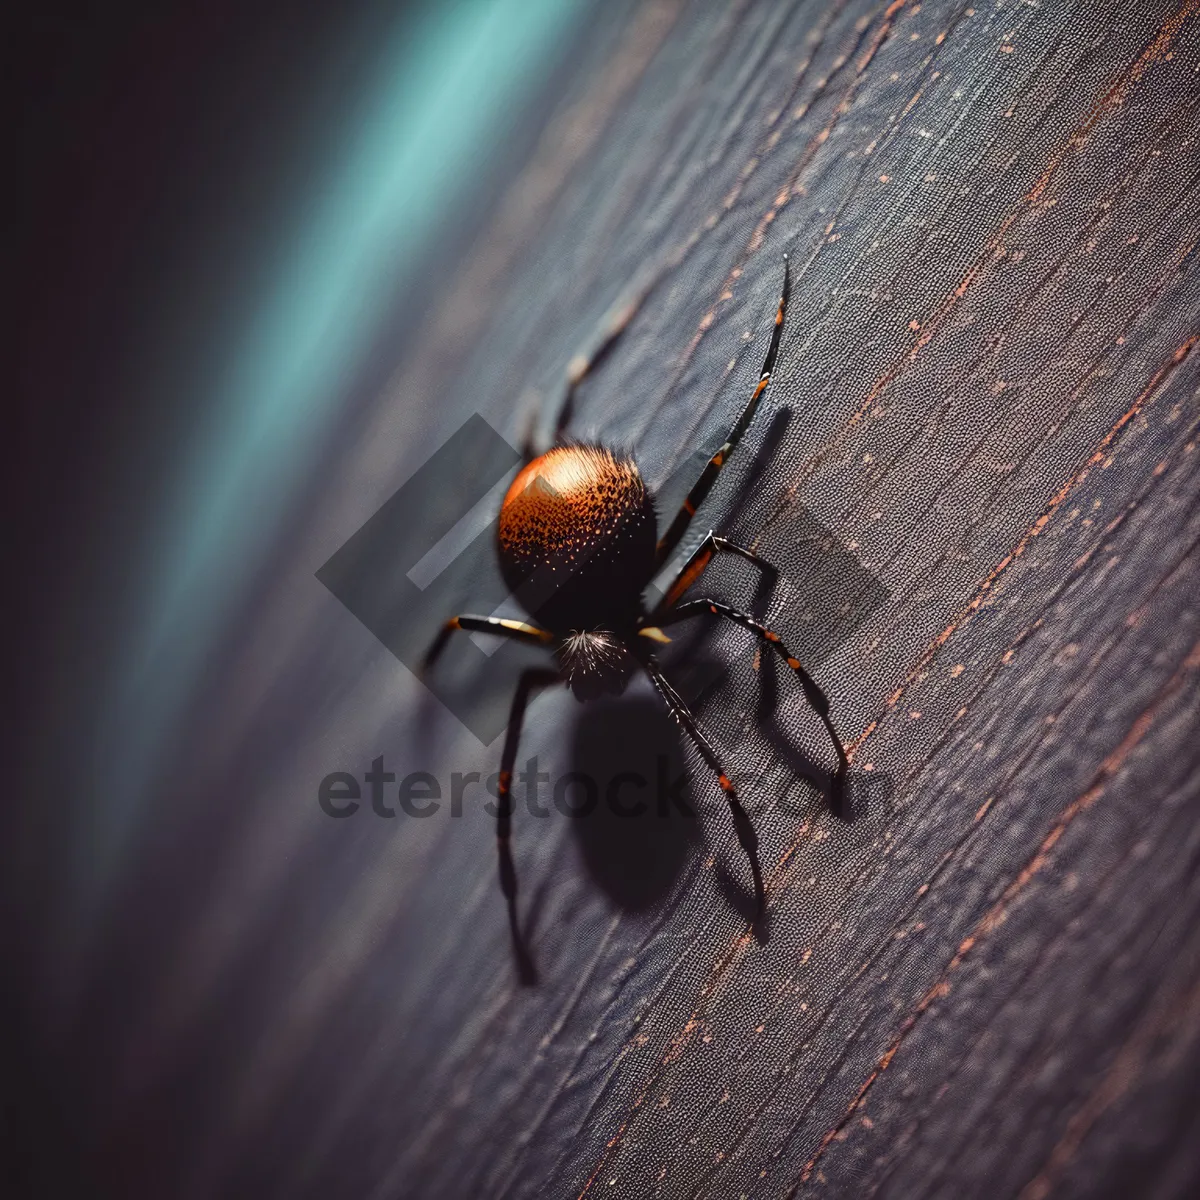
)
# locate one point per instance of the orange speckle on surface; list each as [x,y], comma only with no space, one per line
[885,179]
[771,637]
[794,663]
[725,783]
[914,325]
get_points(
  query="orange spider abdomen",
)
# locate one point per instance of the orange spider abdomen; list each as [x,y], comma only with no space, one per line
[576,538]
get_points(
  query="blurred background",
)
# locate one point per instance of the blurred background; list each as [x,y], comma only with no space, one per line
[268,258]
[232,221]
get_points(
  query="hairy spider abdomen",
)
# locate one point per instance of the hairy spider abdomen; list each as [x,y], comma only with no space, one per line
[576,539]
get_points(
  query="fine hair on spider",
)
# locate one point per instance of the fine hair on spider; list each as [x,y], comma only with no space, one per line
[578,543]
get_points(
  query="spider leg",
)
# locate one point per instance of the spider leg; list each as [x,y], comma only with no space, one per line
[535,677]
[580,367]
[520,631]
[697,564]
[747,838]
[813,694]
[712,469]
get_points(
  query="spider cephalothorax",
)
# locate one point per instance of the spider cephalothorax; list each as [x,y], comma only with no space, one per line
[594,663]
[577,542]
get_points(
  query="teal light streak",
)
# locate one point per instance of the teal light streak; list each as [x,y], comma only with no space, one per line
[445,89]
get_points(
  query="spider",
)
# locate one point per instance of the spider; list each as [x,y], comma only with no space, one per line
[577,543]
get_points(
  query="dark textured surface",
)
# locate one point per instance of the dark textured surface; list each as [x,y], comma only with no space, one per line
[988,983]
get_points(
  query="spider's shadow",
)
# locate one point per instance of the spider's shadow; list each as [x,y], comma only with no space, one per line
[645,825]
[639,835]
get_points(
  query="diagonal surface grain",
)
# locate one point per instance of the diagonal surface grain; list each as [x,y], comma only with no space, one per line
[987,401]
